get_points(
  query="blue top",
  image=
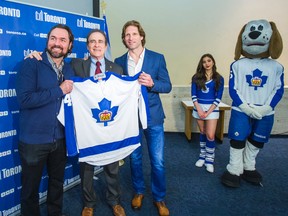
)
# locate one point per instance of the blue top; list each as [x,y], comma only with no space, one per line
[155,65]
[39,97]
[208,96]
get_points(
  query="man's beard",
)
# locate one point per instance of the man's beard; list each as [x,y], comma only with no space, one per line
[56,54]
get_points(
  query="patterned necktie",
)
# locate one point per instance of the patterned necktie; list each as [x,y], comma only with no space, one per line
[98,70]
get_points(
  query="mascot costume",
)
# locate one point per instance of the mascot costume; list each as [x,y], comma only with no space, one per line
[255,86]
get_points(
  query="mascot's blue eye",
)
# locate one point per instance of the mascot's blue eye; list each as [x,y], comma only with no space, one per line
[260,27]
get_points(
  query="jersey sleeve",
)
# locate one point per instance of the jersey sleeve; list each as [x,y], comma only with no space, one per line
[194,92]
[66,118]
[278,89]
[144,113]
[219,92]
[233,86]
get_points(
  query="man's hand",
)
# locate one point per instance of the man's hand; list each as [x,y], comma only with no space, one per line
[34,54]
[146,80]
[66,86]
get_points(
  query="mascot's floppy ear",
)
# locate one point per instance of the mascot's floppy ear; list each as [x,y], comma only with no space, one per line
[238,48]
[276,44]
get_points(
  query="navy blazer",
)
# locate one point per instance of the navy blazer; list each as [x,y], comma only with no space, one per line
[39,97]
[155,65]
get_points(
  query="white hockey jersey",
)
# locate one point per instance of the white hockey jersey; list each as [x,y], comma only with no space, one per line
[102,118]
[256,81]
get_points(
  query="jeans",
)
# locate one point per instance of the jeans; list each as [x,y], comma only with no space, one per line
[155,142]
[33,159]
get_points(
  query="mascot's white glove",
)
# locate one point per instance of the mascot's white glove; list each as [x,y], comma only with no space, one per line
[253,113]
[262,110]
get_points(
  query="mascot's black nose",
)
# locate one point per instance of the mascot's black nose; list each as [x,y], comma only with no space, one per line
[254,35]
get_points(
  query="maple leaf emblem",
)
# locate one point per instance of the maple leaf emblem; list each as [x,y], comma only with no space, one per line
[256,80]
[105,114]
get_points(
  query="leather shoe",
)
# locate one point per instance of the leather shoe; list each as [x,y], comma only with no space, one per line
[87,211]
[118,210]
[137,201]
[162,208]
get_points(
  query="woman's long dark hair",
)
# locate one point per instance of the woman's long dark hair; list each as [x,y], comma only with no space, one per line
[200,77]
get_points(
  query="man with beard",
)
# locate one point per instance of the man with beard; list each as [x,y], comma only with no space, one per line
[40,88]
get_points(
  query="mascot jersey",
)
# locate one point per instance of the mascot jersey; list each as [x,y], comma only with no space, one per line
[102,118]
[259,81]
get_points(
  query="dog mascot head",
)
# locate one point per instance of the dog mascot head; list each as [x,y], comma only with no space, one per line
[259,39]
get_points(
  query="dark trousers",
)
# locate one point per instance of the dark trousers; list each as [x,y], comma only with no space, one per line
[112,180]
[33,159]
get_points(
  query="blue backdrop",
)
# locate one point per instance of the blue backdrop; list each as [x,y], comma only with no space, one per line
[23,29]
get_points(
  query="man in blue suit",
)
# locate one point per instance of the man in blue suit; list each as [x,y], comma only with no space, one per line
[156,78]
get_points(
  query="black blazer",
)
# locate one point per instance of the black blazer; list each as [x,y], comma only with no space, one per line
[81,67]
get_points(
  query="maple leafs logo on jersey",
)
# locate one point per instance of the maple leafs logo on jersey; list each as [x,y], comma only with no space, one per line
[257,80]
[106,113]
